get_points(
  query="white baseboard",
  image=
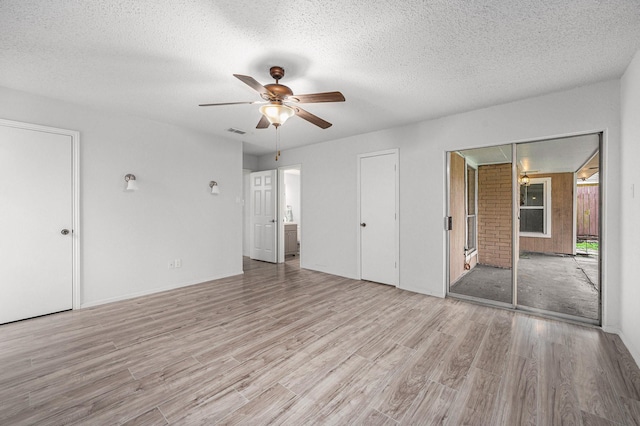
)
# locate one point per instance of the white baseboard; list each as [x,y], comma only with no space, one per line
[324,270]
[422,291]
[635,353]
[154,290]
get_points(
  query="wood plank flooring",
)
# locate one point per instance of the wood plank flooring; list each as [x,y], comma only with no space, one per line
[280,345]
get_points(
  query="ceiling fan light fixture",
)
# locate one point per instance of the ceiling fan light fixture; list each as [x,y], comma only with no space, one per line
[277,113]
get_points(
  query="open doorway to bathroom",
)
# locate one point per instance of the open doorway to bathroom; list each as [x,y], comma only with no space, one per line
[290,208]
[287,213]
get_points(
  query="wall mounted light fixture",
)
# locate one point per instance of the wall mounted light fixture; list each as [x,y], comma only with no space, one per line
[525,180]
[214,187]
[132,185]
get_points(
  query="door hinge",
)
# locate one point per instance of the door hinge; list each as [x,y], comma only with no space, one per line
[448,223]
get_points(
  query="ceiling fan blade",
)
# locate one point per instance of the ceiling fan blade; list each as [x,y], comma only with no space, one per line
[263,123]
[231,103]
[251,82]
[313,119]
[317,97]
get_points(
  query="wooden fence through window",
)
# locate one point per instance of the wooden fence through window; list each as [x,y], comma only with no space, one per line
[588,213]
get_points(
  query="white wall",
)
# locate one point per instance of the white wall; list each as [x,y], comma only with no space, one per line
[249,162]
[246,216]
[128,238]
[292,194]
[630,288]
[329,181]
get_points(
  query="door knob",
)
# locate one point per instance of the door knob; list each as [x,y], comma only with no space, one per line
[273,221]
[64,232]
[363,224]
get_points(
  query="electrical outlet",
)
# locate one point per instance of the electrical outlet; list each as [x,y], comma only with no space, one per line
[178,263]
[172,265]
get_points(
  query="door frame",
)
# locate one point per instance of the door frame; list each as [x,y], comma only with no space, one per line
[75,194]
[396,153]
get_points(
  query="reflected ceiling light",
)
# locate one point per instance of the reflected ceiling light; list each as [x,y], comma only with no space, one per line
[277,113]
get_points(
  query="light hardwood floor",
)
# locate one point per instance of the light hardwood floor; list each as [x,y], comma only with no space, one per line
[280,345]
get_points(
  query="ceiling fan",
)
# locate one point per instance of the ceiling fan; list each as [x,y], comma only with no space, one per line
[280,103]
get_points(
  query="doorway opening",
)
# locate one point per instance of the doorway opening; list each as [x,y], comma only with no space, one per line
[272,216]
[290,215]
[526,226]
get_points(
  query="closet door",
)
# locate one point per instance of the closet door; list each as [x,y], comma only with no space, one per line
[36,218]
[378,217]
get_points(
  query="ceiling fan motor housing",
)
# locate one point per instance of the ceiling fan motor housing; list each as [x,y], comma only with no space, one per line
[279,90]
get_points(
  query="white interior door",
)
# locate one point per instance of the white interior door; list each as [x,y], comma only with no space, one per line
[264,190]
[378,218]
[36,206]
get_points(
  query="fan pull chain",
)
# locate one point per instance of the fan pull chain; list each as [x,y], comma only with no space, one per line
[277,142]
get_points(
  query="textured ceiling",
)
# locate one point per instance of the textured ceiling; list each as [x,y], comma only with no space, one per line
[396,62]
